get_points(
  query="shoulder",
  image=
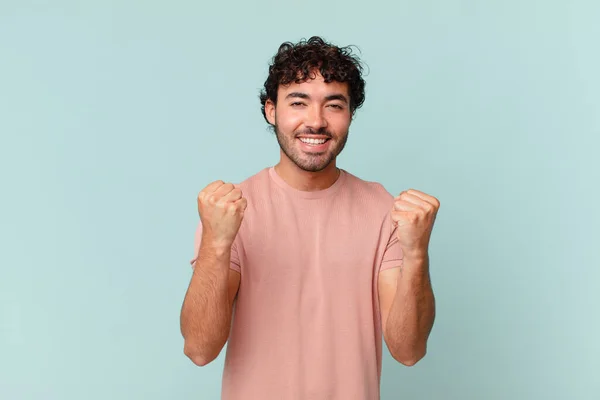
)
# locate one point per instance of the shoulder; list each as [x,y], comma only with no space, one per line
[256,187]
[372,192]
[255,182]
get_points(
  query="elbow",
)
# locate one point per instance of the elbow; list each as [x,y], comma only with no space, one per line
[197,356]
[199,360]
[409,362]
[409,359]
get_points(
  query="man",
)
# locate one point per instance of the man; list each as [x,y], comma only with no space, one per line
[303,267]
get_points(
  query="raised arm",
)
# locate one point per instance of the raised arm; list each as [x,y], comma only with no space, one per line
[406,297]
[207,307]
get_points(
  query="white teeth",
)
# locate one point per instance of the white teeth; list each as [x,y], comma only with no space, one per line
[313,141]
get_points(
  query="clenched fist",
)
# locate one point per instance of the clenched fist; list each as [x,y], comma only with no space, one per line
[221,208]
[414,214]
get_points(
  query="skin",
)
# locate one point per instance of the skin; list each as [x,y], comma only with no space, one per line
[207,307]
[311,109]
[405,294]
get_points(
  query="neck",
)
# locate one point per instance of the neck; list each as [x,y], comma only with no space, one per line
[307,181]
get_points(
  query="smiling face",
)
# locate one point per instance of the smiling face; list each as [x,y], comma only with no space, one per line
[311,121]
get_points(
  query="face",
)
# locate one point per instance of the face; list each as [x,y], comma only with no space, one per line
[311,121]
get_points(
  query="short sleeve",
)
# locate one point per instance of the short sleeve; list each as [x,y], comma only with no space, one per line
[393,256]
[234,259]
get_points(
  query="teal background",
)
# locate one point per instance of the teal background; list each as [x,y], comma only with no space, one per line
[113,115]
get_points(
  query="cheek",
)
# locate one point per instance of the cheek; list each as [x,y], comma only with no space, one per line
[288,121]
[339,123]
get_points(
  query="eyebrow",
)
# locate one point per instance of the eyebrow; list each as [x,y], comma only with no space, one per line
[301,95]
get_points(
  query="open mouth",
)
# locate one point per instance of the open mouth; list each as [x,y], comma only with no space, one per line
[313,141]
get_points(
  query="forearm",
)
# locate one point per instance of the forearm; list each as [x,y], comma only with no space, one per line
[206,311]
[412,313]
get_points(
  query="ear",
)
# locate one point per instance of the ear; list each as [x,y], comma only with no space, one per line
[270,111]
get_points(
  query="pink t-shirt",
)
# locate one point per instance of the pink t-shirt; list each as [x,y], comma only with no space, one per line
[306,322]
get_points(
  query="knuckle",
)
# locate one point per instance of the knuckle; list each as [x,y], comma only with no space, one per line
[214,185]
[203,201]
[241,205]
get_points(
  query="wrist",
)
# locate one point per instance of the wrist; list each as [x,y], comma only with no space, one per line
[219,252]
[415,256]
[217,248]
[415,268]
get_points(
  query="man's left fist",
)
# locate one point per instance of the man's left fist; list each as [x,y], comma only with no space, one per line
[414,214]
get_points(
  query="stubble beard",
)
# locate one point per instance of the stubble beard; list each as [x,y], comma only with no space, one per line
[309,162]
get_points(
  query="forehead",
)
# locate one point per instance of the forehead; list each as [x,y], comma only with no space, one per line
[316,87]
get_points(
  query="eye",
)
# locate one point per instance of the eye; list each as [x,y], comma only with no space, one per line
[336,106]
[297,104]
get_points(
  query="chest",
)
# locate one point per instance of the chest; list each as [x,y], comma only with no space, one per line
[325,244]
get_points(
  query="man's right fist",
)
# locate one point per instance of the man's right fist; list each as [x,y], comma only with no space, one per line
[221,208]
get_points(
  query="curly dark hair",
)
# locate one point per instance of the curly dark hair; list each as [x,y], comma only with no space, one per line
[298,62]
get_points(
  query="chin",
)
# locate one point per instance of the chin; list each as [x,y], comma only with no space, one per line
[312,167]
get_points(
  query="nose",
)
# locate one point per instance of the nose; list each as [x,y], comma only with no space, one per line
[315,118]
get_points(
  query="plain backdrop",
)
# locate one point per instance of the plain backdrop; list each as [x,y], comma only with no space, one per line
[115,114]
